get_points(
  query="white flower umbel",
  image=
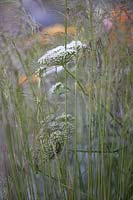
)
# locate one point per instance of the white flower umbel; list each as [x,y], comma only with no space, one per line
[55,87]
[54,133]
[61,55]
[58,57]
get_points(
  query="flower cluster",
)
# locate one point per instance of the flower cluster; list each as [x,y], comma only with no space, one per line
[61,55]
[58,86]
[54,133]
[58,89]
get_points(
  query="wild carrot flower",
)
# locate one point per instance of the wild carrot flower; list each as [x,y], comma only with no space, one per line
[59,88]
[60,55]
[52,137]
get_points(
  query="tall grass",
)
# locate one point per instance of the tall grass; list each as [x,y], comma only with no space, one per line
[96,162]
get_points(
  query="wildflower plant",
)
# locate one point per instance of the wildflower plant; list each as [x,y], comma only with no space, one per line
[60,55]
[59,89]
[101,128]
[52,137]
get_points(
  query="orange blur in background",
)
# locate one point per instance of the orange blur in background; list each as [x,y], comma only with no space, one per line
[24,79]
[45,35]
[122,30]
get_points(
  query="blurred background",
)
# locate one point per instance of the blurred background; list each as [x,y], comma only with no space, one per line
[28,29]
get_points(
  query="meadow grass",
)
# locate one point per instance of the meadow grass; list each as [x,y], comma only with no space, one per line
[96,162]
